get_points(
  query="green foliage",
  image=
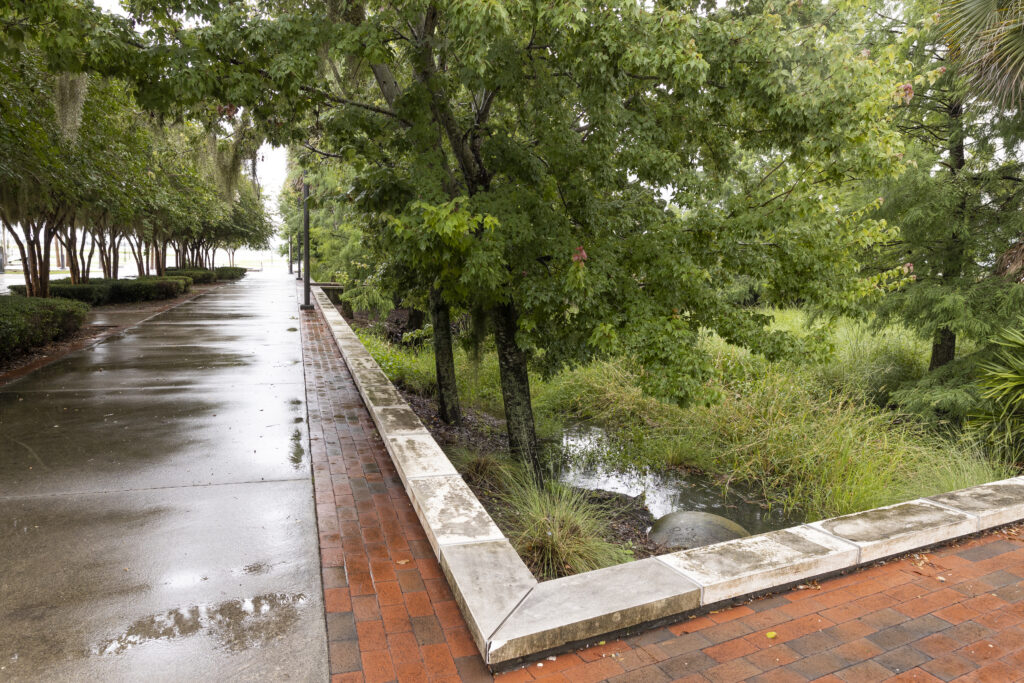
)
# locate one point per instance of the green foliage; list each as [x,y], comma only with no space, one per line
[82,159]
[199,276]
[821,455]
[92,294]
[186,282]
[958,208]
[556,529]
[815,437]
[485,471]
[99,291]
[1001,421]
[26,323]
[229,273]
[145,289]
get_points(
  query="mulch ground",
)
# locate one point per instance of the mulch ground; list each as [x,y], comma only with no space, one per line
[89,334]
[951,613]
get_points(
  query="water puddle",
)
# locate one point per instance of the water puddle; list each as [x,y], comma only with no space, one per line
[235,624]
[663,492]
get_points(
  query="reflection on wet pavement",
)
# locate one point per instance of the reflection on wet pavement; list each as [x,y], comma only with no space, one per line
[235,624]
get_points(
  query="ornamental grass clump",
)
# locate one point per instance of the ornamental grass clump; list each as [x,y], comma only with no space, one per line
[556,529]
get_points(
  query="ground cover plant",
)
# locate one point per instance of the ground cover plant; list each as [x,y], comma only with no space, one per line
[26,323]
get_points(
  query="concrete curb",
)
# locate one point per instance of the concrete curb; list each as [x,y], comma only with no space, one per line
[512,617]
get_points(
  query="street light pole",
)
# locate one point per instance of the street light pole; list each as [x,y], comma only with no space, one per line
[290,271]
[305,243]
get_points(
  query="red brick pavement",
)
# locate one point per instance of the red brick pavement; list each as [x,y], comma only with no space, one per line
[955,613]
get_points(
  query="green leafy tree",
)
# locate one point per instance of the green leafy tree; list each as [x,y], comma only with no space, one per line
[958,208]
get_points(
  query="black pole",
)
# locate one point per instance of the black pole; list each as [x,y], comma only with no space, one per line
[305,244]
[290,271]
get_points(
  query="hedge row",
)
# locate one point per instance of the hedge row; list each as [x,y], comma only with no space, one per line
[97,291]
[230,273]
[199,276]
[25,323]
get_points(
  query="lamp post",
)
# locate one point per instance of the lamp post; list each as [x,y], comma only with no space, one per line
[305,244]
[290,271]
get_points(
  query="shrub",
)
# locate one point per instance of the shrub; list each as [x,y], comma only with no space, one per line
[186,281]
[556,529]
[1000,423]
[97,292]
[229,273]
[145,289]
[93,294]
[199,276]
[25,323]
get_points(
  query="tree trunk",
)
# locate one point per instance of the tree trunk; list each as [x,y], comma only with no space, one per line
[444,360]
[160,257]
[136,249]
[115,256]
[87,262]
[71,246]
[943,348]
[944,344]
[515,390]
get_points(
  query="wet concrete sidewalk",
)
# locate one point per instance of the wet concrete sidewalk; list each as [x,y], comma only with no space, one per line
[156,506]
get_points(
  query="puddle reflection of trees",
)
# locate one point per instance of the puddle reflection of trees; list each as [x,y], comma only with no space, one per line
[235,624]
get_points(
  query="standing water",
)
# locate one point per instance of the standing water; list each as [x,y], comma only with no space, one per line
[663,492]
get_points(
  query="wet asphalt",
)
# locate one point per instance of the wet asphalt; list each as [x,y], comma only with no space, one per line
[156,503]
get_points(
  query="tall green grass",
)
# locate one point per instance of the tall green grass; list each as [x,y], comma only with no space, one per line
[815,437]
[555,528]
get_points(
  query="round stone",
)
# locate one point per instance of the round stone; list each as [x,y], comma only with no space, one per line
[685,529]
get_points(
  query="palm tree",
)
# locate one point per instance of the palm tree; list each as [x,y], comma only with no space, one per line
[986,40]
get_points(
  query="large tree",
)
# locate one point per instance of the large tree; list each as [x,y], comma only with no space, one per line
[959,213]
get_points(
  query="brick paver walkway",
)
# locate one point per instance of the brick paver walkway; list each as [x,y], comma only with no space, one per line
[957,612]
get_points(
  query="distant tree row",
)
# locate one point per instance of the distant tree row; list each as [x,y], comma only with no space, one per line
[85,171]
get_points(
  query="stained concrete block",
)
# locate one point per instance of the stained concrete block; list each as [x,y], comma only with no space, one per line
[450,513]
[585,606]
[899,528]
[363,362]
[397,420]
[488,580]
[747,565]
[1000,502]
[376,389]
[418,456]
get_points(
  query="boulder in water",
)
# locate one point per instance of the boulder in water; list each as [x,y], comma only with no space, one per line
[684,529]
